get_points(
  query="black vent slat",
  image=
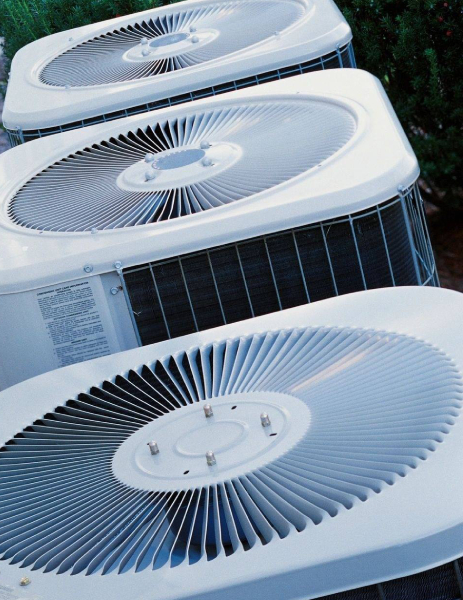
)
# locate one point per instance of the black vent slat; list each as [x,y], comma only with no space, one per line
[203,293]
[316,264]
[372,249]
[398,241]
[258,277]
[344,258]
[436,584]
[230,283]
[174,298]
[146,307]
[366,593]
[287,270]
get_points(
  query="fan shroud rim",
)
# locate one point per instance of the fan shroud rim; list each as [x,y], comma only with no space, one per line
[348,113]
[373,335]
[306,9]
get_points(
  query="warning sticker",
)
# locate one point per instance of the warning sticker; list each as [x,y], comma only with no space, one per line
[74,323]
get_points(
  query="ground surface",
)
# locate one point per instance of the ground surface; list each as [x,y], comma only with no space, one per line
[446,230]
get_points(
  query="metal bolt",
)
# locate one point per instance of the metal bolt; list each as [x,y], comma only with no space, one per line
[210,458]
[114,290]
[150,175]
[118,265]
[154,448]
[88,268]
[205,145]
[144,41]
[195,39]
[208,411]
[149,157]
[24,581]
[207,162]
[265,420]
[145,52]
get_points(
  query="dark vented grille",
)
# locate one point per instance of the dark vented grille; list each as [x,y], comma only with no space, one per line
[442,583]
[342,58]
[381,247]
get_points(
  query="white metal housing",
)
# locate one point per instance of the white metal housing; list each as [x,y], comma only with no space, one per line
[345,170]
[345,488]
[98,72]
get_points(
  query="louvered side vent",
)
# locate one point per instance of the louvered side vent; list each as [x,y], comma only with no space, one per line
[80,491]
[385,246]
[170,42]
[182,166]
[341,58]
[441,583]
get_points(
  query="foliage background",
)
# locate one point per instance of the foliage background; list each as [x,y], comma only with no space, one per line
[414,46]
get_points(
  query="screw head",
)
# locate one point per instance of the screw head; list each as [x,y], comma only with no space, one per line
[204,145]
[193,29]
[114,291]
[206,162]
[144,41]
[24,581]
[195,39]
[94,230]
[208,411]
[145,52]
[118,264]
[88,268]
[154,448]
[265,420]
[150,175]
[210,458]
[149,157]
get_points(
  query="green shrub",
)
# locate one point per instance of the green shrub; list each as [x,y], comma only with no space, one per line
[413,46]
[23,21]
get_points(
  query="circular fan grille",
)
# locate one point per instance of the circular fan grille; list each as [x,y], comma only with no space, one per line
[250,148]
[372,421]
[102,60]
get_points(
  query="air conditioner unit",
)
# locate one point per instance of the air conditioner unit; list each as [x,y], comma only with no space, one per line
[153,227]
[167,56]
[285,457]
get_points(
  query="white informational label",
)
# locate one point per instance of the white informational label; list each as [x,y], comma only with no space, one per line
[75,325]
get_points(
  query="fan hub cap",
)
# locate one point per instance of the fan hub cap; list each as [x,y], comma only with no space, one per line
[179,167]
[234,434]
[170,45]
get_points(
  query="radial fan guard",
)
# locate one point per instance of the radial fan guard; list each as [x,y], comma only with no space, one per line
[64,509]
[161,44]
[182,166]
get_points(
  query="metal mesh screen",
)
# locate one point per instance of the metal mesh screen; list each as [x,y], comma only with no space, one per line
[441,583]
[341,58]
[385,246]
